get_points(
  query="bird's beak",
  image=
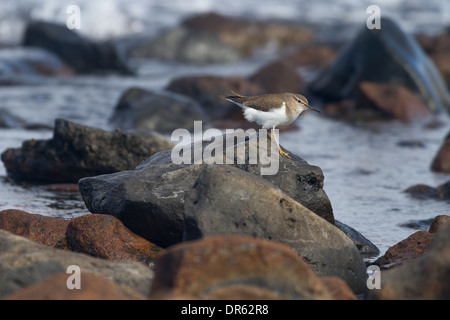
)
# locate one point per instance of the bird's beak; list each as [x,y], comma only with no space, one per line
[313,109]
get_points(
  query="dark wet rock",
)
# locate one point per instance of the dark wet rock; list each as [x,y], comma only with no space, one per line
[17,62]
[105,237]
[406,250]
[48,231]
[77,151]
[24,262]
[247,35]
[81,54]
[444,191]
[392,100]
[226,201]
[422,191]
[386,55]
[150,199]
[159,111]
[441,161]
[365,247]
[235,267]
[411,144]
[422,224]
[94,287]
[188,46]
[424,278]
[207,89]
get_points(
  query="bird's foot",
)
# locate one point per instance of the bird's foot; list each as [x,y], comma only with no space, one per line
[282,153]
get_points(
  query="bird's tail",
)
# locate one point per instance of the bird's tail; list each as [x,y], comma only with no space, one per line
[232,97]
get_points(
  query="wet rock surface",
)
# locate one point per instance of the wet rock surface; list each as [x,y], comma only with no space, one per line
[365,247]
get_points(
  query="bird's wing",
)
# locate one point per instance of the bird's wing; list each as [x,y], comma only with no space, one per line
[262,103]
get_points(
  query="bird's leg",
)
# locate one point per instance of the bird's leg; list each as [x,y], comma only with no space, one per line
[279,148]
[269,136]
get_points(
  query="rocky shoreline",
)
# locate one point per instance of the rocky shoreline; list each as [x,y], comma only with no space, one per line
[155,229]
[161,214]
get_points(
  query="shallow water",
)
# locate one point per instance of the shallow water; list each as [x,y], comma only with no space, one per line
[365,168]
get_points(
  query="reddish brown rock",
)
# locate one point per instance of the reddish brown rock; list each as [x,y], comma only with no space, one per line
[106,237]
[342,109]
[425,277]
[423,191]
[406,250]
[235,266]
[438,222]
[206,90]
[338,288]
[278,77]
[317,56]
[438,48]
[393,100]
[246,35]
[93,287]
[441,161]
[48,231]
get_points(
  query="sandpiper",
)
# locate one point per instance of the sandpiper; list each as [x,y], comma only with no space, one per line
[271,110]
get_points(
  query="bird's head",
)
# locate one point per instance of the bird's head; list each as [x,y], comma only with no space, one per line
[302,103]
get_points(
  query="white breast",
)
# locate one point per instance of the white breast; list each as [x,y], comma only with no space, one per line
[269,119]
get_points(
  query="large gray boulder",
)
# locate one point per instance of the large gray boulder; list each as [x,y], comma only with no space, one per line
[226,201]
[150,199]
